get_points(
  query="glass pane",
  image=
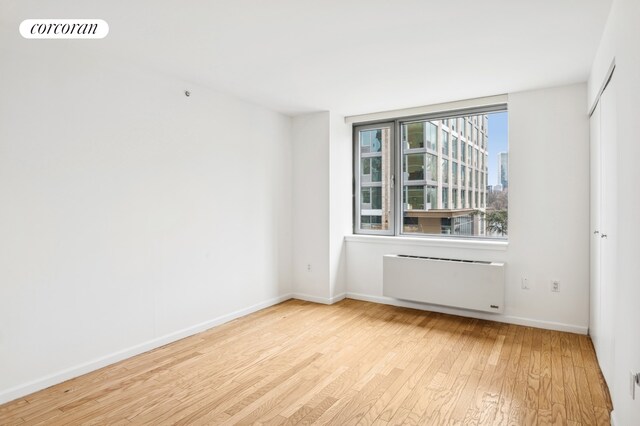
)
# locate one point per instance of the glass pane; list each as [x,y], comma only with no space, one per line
[445,171]
[376,197]
[376,140]
[454,172]
[365,142]
[365,197]
[432,200]
[413,135]
[432,134]
[432,167]
[370,141]
[414,197]
[375,178]
[376,169]
[414,167]
[366,166]
[445,143]
[454,148]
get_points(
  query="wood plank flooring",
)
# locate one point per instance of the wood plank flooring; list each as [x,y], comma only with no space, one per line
[351,363]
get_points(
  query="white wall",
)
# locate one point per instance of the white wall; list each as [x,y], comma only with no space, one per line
[310,135]
[322,205]
[131,215]
[622,40]
[548,218]
[341,206]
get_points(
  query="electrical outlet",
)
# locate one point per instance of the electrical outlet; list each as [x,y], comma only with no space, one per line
[555,286]
[525,283]
[309,267]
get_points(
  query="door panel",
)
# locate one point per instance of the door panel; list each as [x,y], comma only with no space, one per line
[595,189]
[608,231]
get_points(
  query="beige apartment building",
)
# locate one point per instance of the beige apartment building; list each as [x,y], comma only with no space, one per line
[444,177]
[443,180]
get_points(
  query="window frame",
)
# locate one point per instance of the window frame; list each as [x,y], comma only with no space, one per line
[395,175]
[357,189]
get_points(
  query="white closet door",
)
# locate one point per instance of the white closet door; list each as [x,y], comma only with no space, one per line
[594,290]
[608,227]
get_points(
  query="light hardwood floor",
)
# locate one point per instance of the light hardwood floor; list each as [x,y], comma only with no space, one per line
[349,363]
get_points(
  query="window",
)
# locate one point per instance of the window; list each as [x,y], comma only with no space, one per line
[432,168]
[445,142]
[445,170]
[431,132]
[371,198]
[414,197]
[454,147]
[420,135]
[375,147]
[414,167]
[440,174]
[432,200]
[454,173]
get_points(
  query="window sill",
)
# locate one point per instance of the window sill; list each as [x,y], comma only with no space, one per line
[429,242]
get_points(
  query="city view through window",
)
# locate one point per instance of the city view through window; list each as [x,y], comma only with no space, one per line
[453,176]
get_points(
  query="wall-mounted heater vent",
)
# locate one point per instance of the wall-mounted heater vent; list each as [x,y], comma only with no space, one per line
[457,283]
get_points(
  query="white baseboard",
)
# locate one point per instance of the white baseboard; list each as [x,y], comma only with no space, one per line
[318,299]
[87,367]
[548,325]
[339,297]
[614,422]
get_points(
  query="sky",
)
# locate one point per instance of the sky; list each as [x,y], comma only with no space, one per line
[498,138]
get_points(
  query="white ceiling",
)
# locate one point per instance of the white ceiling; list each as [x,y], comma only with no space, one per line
[347,56]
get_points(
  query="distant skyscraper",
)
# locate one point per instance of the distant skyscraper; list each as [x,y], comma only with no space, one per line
[503,170]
